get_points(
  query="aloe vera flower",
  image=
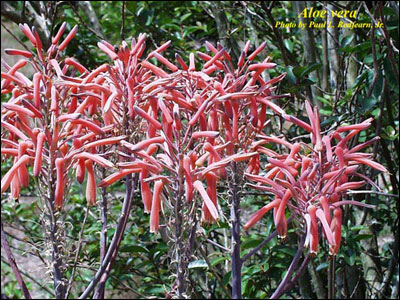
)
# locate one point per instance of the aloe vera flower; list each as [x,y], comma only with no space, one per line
[311,180]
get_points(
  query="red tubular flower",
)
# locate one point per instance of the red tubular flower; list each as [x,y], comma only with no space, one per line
[336,228]
[212,193]
[15,186]
[107,50]
[27,31]
[145,192]
[24,53]
[6,179]
[313,231]
[23,174]
[165,61]
[280,218]
[207,201]
[59,192]
[69,37]
[154,69]
[36,89]
[257,51]
[37,166]
[260,213]
[90,184]
[59,33]
[116,176]
[155,206]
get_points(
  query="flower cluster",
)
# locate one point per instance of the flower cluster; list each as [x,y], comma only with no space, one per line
[179,126]
[312,179]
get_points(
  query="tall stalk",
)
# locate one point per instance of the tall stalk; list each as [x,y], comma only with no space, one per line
[180,251]
[331,278]
[235,234]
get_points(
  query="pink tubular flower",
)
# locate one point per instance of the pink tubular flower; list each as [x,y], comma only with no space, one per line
[6,179]
[207,201]
[91,183]
[34,120]
[59,192]
[317,180]
[155,206]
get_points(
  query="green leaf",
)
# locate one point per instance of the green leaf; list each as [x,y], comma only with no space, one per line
[227,278]
[358,48]
[350,258]
[290,75]
[297,71]
[190,29]
[310,69]
[288,251]
[307,82]
[360,237]
[347,40]
[134,249]
[251,243]
[360,79]
[322,266]
[378,88]
[131,6]
[218,260]
[358,228]
[185,16]
[289,45]
[367,104]
[198,264]
[389,75]
[369,59]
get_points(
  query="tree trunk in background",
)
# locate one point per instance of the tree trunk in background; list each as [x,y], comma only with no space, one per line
[305,286]
[371,268]
[87,8]
[307,38]
[333,39]
[317,281]
[340,284]
[355,282]
[352,68]
[325,63]
[223,30]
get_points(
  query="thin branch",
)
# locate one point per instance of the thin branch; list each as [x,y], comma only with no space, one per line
[99,35]
[118,280]
[287,59]
[263,243]
[32,279]
[119,231]
[10,13]
[218,245]
[15,37]
[90,13]
[389,44]
[331,278]
[123,21]
[214,271]
[13,264]
[372,192]
[280,289]
[299,272]
[78,250]
[99,293]
[40,22]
